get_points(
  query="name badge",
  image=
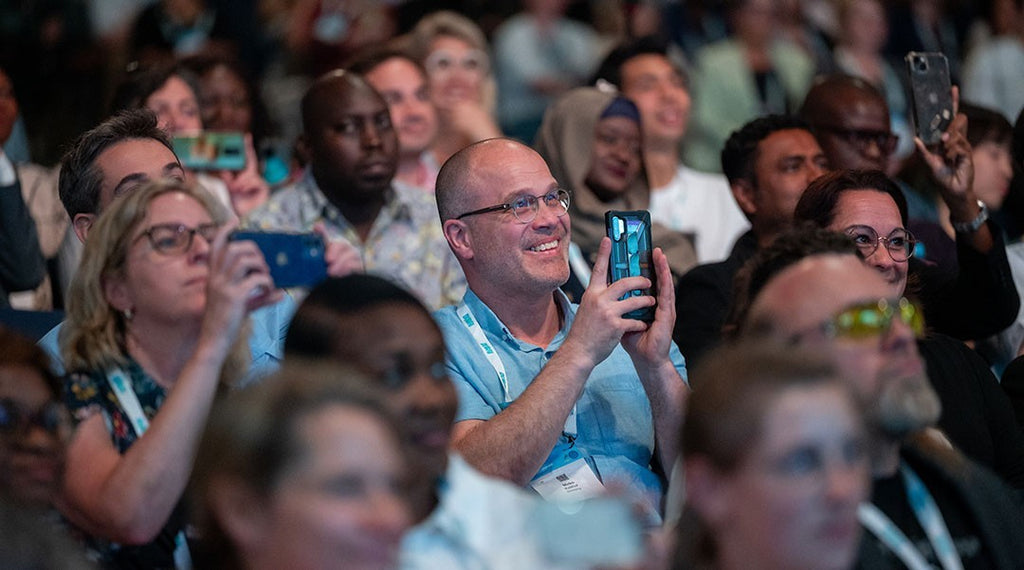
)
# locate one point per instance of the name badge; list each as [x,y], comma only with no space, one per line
[570,483]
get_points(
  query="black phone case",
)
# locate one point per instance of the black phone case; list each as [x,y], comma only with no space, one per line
[295,260]
[630,232]
[931,93]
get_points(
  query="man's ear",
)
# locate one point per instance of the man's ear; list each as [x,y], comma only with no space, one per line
[82,224]
[459,238]
[744,193]
[708,492]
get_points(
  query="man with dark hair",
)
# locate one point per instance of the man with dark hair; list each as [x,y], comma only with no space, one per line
[375,325]
[94,171]
[682,199]
[348,190]
[117,157]
[550,391]
[829,300]
[768,162]
[402,82]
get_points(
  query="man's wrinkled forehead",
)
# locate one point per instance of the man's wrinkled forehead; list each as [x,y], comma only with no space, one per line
[128,164]
[813,289]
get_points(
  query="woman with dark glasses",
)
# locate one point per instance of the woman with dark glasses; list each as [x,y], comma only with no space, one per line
[156,323]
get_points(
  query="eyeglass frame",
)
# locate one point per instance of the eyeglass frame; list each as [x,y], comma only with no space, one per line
[481,58]
[861,138]
[14,420]
[179,229]
[911,242]
[535,208]
[910,314]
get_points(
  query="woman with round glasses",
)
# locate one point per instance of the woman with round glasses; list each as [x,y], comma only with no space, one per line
[867,206]
[592,142]
[454,52]
[156,319]
[870,207]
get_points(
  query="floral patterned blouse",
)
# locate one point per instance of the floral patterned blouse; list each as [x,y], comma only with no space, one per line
[89,393]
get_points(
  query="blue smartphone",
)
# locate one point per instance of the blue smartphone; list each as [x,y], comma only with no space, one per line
[211,151]
[295,260]
[631,254]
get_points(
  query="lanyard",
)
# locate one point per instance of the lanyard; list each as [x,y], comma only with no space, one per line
[579,265]
[467,318]
[928,515]
[121,384]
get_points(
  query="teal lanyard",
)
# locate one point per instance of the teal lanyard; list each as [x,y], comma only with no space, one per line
[928,515]
[122,386]
[468,319]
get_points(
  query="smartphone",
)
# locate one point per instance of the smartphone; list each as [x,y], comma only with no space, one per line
[631,254]
[295,260]
[932,94]
[602,531]
[211,150]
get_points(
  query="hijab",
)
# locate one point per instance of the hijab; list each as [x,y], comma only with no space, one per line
[566,140]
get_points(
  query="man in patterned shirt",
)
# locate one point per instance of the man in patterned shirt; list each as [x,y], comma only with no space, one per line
[348,190]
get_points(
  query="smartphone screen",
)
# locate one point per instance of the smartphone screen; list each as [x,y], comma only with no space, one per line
[295,260]
[211,151]
[932,94]
[630,232]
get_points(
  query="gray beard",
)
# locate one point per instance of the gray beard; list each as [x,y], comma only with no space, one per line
[906,405]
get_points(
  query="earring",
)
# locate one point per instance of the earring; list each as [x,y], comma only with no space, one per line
[128,314]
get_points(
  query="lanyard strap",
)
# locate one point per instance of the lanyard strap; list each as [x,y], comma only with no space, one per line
[928,515]
[579,265]
[122,386]
[469,320]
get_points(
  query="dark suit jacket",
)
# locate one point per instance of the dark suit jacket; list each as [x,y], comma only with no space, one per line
[22,266]
[703,298]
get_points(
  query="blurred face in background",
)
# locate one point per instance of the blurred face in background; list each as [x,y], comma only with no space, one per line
[659,91]
[792,500]
[993,170]
[404,88]
[176,107]
[341,501]
[614,157]
[456,71]
[33,432]
[224,99]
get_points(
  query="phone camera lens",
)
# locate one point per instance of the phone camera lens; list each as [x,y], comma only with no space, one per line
[922,65]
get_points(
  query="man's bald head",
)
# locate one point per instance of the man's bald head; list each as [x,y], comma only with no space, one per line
[459,174]
[323,94]
[851,120]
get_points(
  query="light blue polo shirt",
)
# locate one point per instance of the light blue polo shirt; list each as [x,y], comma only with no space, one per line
[614,423]
[266,341]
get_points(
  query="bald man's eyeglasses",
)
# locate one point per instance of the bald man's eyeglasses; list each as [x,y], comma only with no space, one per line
[862,139]
[525,208]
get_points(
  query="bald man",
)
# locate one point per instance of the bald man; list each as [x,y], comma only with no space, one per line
[349,188]
[560,397]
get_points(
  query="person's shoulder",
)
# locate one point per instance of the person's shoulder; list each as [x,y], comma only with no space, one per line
[281,202]
[723,51]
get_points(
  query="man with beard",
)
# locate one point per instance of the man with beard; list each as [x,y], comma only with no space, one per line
[930,504]
[348,190]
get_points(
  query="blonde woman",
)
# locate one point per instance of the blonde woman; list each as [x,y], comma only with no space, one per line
[454,52]
[156,315]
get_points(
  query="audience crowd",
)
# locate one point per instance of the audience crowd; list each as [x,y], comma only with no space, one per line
[829,372]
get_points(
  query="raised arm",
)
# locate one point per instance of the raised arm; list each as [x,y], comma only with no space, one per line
[128,498]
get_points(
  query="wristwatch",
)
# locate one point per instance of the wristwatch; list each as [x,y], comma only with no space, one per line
[975,224]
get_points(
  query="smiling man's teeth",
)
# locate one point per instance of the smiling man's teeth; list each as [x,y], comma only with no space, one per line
[545,246]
